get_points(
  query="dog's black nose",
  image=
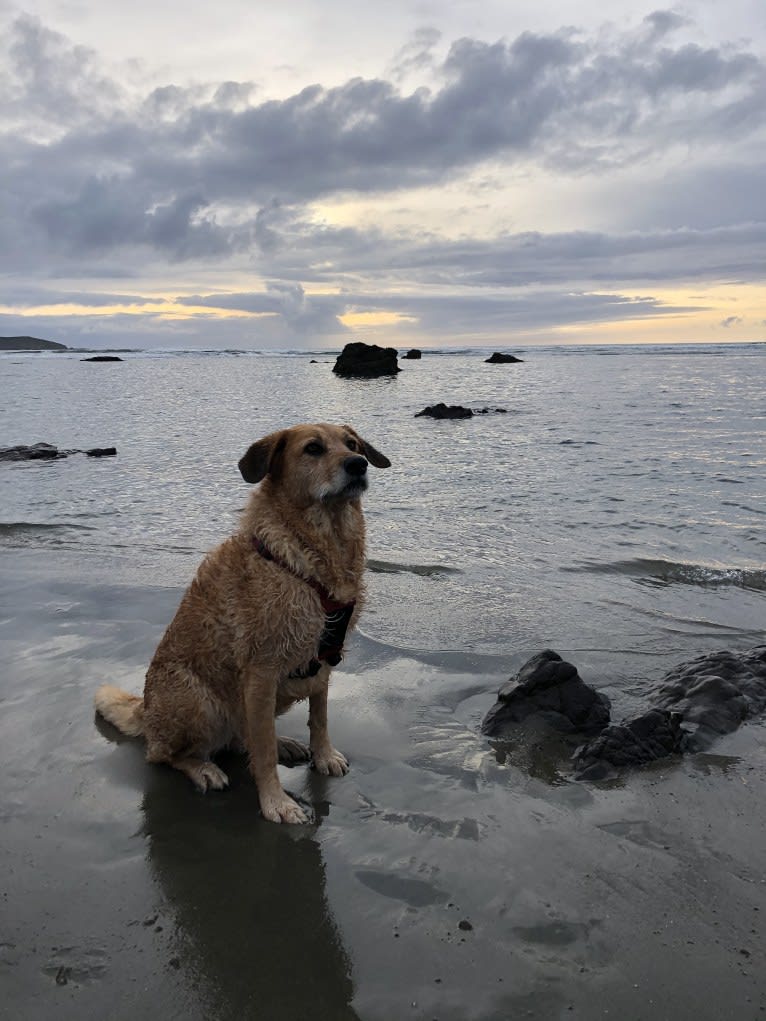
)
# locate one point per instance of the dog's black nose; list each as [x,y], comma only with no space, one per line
[356,466]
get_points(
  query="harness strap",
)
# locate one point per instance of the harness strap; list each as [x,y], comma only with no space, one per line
[329,605]
[336,621]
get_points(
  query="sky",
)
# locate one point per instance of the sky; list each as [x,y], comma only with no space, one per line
[300,175]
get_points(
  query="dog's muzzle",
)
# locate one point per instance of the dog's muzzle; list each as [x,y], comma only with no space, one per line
[355,469]
[355,466]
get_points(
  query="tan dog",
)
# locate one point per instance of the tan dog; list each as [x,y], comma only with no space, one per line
[263,621]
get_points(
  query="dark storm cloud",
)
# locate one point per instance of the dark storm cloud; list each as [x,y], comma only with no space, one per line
[185,170]
[298,248]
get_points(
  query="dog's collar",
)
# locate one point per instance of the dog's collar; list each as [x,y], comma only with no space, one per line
[329,604]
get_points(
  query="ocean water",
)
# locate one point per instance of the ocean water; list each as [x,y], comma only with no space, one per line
[614,509]
[614,512]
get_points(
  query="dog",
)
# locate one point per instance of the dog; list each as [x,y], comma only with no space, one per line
[263,622]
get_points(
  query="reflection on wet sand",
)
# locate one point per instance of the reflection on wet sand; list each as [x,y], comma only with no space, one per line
[254,933]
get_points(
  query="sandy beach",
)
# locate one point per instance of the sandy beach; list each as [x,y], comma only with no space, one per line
[439,879]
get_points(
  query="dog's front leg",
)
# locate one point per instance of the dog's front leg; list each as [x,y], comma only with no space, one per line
[327,760]
[261,739]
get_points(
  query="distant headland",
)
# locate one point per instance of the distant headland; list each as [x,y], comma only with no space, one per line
[30,344]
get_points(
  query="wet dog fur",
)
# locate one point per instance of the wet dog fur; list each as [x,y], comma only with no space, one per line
[246,626]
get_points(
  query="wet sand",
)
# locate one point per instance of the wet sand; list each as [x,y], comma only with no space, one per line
[441,878]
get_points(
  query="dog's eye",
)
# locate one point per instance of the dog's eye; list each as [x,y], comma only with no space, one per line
[313,448]
[352,444]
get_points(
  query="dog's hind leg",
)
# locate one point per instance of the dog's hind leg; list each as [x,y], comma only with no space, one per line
[290,751]
[184,725]
[203,773]
[200,769]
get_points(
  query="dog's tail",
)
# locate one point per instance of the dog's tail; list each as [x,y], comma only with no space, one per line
[124,711]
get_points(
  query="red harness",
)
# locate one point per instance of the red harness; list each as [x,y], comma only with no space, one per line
[336,621]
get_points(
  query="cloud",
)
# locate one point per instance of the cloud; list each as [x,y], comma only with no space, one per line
[560,99]
[316,252]
[731,321]
[51,83]
[103,180]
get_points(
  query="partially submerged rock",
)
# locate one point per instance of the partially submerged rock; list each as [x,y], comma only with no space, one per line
[102,358]
[35,452]
[442,410]
[47,452]
[635,742]
[692,705]
[413,353]
[550,688]
[715,693]
[367,361]
[498,358]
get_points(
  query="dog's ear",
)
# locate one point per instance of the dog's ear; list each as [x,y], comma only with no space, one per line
[263,458]
[373,456]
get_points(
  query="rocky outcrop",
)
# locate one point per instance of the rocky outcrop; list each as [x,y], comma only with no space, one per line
[102,358]
[366,361]
[654,735]
[442,410]
[693,704]
[413,353]
[550,688]
[445,411]
[715,693]
[498,358]
[47,452]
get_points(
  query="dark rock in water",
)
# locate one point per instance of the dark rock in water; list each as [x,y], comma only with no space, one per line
[413,353]
[693,703]
[710,695]
[102,358]
[47,452]
[715,693]
[442,410]
[550,688]
[445,411]
[367,361]
[654,735]
[37,452]
[498,358]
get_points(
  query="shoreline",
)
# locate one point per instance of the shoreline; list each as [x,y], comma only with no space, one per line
[641,898]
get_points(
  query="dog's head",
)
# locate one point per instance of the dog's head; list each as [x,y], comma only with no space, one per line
[315,463]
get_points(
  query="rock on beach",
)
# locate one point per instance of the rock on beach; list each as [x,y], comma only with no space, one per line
[693,704]
[549,687]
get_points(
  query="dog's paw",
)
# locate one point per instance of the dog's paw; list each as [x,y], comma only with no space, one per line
[282,808]
[291,751]
[330,762]
[208,777]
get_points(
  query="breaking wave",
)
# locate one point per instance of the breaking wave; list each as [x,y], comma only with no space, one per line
[669,572]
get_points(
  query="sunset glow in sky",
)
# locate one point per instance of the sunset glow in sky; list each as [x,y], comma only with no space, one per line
[431,174]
